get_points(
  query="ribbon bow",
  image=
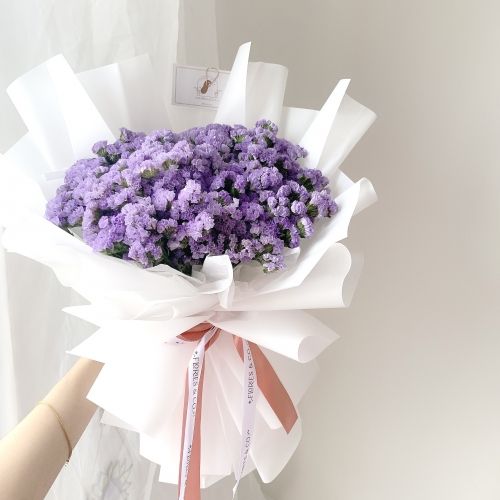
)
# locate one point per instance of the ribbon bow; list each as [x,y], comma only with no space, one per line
[259,375]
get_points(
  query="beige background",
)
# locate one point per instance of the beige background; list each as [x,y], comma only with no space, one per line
[408,407]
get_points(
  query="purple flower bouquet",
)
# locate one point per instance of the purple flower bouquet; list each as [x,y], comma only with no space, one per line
[198,249]
[174,199]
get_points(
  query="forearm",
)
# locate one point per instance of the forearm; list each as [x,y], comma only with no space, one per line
[33,453]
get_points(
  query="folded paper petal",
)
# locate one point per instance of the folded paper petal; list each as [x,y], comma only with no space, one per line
[232,107]
[316,135]
[58,112]
[295,334]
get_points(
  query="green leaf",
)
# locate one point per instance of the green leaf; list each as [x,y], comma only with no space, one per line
[306,182]
[149,173]
[229,187]
[119,249]
[312,210]
[168,163]
[111,159]
[280,165]
[286,236]
[302,230]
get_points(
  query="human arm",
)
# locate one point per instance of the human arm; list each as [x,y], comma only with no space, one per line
[33,453]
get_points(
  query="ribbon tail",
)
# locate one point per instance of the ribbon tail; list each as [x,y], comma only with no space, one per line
[192,484]
[271,386]
[250,393]
[190,461]
[183,438]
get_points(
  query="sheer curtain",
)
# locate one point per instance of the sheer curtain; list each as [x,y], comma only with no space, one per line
[34,333]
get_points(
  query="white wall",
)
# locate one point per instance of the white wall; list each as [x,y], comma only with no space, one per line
[408,405]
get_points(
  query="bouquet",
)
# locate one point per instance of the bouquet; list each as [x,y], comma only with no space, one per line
[199,241]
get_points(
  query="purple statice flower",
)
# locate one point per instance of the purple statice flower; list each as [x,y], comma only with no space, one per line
[175,198]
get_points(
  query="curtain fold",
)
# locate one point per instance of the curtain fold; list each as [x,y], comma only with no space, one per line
[34,333]
[8,388]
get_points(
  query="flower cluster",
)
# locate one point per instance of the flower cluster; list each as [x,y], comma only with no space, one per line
[175,198]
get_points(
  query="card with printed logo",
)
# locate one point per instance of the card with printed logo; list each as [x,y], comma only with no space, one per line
[195,86]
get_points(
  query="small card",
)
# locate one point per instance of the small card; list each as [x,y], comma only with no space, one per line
[194,86]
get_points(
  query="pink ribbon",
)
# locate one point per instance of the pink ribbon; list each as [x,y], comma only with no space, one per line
[268,383]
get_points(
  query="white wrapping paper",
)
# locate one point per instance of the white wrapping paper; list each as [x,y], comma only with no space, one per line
[140,312]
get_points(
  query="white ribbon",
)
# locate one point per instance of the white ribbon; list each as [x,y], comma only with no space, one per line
[251,391]
[194,373]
